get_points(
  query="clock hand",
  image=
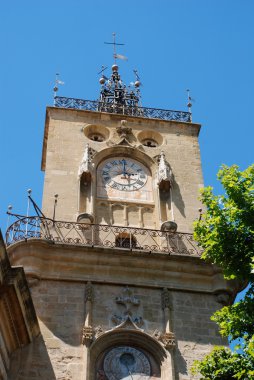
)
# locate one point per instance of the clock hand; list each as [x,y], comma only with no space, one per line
[124,169]
[129,371]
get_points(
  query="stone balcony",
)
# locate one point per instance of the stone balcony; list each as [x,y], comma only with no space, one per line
[99,235]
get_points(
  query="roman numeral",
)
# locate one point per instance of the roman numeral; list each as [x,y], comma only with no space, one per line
[114,185]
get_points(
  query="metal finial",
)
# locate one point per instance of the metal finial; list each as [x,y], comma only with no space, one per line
[103,68]
[115,55]
[103,77]
[115,95]
[137,82]
[190,100]
[57,82]
[8,216]
[29,191]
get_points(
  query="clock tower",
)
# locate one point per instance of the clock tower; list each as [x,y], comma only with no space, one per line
[117,281]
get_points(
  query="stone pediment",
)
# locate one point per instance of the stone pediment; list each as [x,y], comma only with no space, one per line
[128,324]
[124,141]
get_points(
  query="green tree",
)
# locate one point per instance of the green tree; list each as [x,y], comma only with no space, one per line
[226,233]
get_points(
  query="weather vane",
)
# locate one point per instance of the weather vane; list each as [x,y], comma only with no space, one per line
[190,100]
[57,82]
[115,96]
[115,55]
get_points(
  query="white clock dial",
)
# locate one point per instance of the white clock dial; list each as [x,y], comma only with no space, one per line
[124,174]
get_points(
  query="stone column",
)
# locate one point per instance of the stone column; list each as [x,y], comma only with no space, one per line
[87,336]
[168,337]
[87,329]
[166,306]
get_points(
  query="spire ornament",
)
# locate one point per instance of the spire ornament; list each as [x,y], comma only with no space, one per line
[85,166]
[164,174]
[115,96]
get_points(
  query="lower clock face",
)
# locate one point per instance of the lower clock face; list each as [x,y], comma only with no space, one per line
[124,174]
[126,363]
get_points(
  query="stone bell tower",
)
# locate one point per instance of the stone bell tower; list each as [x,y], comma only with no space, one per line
[117,281]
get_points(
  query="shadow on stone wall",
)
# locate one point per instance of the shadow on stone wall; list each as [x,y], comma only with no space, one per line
[180,364]
[31,362]
[177,197]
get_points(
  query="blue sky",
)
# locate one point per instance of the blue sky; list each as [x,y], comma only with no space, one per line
[204,45]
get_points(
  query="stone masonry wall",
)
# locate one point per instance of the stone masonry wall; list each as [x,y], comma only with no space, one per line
[60,307]
[65,148]
[58,355]
[195,332]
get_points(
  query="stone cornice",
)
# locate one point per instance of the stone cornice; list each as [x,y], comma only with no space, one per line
[67,262]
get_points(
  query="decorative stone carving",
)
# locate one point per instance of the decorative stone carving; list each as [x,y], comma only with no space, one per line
[164,173]
[87,335]
[165,299]
[86,163]
[98,331]
[117,320]
[124,133]
[129,302]
[123,130]
[156,334]
[168,340]
[129,324]
[89,292]
[127,299]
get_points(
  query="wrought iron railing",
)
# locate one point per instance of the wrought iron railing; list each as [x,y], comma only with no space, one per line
[93,105]
[117,237]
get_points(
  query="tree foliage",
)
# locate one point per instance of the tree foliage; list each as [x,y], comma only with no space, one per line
[226,233]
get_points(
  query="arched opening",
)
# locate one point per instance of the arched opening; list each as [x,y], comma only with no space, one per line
[122,353]
[125,240]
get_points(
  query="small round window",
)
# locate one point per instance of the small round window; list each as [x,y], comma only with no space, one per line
[96,137]
[150,138]
[97,133]
[149,143]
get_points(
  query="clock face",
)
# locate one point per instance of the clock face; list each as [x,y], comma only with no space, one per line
[124,174]
[123,178]
[126,363]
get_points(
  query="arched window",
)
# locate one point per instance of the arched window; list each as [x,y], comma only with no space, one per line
[125,240]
